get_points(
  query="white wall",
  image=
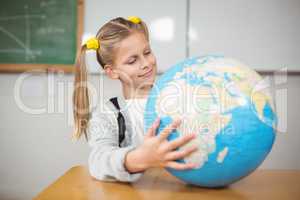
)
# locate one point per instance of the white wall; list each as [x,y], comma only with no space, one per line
[35,149]
[262,33]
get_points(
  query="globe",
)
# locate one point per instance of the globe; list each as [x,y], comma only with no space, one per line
[230,109]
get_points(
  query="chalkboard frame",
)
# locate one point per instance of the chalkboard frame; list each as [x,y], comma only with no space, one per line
[41,68]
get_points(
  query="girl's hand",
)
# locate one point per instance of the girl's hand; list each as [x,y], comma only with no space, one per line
[157,151]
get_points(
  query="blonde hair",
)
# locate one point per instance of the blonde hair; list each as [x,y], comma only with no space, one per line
[109,36]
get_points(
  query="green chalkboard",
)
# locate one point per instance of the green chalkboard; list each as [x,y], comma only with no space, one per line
[39,31]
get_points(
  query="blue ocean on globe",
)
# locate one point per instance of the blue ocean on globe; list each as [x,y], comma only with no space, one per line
[229,107]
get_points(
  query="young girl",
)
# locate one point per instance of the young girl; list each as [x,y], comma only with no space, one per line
[123,50]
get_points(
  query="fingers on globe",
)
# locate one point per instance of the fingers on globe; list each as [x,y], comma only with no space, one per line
[181,166]
[155,125]
[175,155]
[167,131]
[178,142]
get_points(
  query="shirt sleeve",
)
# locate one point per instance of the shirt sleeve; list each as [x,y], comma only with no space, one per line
[106,159]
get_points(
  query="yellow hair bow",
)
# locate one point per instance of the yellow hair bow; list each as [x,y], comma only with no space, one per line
[134,19]
[92,43]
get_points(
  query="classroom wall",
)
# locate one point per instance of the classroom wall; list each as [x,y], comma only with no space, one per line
[36,146]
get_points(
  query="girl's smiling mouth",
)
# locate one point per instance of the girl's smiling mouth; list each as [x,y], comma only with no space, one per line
[147,74]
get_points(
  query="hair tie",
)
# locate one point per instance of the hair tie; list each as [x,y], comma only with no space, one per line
[92,44]
[134,19]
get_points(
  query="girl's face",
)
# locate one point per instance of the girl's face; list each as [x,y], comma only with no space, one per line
[134,63]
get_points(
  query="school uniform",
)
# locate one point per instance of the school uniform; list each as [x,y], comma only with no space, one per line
[107,156]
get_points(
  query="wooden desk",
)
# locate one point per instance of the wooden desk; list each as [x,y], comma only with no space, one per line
[158,184]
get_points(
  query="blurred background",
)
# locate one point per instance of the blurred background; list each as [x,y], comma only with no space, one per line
[36,109]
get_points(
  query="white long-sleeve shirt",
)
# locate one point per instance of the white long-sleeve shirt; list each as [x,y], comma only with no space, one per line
[106,159]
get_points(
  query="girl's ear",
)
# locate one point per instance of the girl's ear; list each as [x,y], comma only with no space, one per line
[110,72]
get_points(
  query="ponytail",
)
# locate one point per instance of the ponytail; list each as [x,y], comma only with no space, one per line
[81,110]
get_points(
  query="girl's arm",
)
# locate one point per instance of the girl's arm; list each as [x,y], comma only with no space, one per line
[106,160]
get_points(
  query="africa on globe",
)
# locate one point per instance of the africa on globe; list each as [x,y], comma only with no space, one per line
[229,107]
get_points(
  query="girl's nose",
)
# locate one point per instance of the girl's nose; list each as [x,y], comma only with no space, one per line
[145,62]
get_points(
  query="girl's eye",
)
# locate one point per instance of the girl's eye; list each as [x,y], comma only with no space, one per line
[147,52]
[131,62]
